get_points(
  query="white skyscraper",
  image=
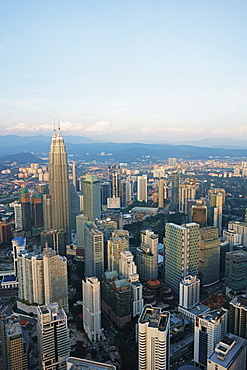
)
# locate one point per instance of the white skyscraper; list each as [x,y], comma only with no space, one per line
[116,245]
[53,337]
[18,245]
[189,292]
[147,255]
[18,216]
[142,188]
[210,328]
[91,308]
[127,270]
[154,339]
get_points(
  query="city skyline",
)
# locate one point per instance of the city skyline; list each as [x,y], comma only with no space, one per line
[124,71]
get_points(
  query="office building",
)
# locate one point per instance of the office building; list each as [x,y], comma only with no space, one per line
[209,256]
[187,191]
[47,212]
[91,308]
[53,337]
[59,185]
[229,354]
[189,292]
[154,339]
[14,344]
[80,222]
[74,175]
[116,245]
[181,241]
[18,216]
[199,214]
[104,193]
[56,239]
[172,162]
[114,180]
[94,250]
[233,237]
[175,191]
[43,278]
[26,212]
[147,255]
[142,188]
[74,363]
[18,245]
[91,197]
[125,193]
[74,206]
[209,329]
[37,211]
[5,232]
[236,272]
[116,298]
[240,228]
[238,316]
[217,219]
[161,193]
[128,270]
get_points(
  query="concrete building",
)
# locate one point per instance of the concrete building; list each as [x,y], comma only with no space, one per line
[18,216]
[94,251]
[175,191]
[114,180]
[26,211]
[142,188]
[238,317]
[209,329]
[233,237]
[209,256]
[189,292]
[187,191]
[147,255]
[240,228]
[236,272]
[14,344]
[56,239]
[91,308]
[229,354]
[53,337]
[154,339]
[59,185]
[18,245]
[116,245]
[47,212]
[181,241]
[37,211]
[217,219]
[80,222]
[161,193]
[91,197]
[199,214]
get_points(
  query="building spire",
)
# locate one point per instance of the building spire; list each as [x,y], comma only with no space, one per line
[59,129]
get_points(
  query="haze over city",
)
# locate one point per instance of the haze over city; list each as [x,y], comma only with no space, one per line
[124,71]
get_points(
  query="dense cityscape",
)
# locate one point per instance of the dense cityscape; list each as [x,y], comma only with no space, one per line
[134,265]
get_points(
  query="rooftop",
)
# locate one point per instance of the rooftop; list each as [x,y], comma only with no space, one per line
[213,316]
[82,364]
[155,317]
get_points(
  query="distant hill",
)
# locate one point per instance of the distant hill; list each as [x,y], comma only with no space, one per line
[21,158]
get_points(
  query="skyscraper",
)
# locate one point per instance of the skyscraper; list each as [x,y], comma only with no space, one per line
[147,255]
[154,339]
[116,245]
[37,211]
[209,256]
[114,179]
[238,316]
[175,191]
[53,337]
[91,197]
[14,344]
[94,251]
[91,308]
[26,211]
[181,253]
[236,272]
[59,185]
[142,188]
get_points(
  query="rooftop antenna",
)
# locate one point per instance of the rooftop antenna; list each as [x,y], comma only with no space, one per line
[58,118]
[54,125]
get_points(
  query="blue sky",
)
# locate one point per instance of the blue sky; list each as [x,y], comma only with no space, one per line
[124,70]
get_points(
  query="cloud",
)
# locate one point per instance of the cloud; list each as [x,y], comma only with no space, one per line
[101,127]
[172,130]
[231,131]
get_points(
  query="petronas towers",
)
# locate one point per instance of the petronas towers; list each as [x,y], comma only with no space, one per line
[59,185]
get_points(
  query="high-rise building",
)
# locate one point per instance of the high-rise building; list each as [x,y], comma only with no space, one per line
[80,222]
[59,185]
[105,193]
[154,339]
[94,251]
[175,191]
[114,179]
[5,232]
[128,270]
[91,197]
[230,353]
[37,211]
[74,206]
[14,344]
[238,316]
[116,245]
[116,298]
[240,228]
[209,256]
[236,272]
[233,237]
[125,193]
[18,245]
[47,212]
[161,192]
[56,239]
[189,292]
[91,308]
[147,255]
[187,191]
[142,188]
[74,363]
[26,211]
[199,214]
[210,328]
[217,219]
[53,337]
[74,175]
[43,278]
[18,216]
[181,253]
